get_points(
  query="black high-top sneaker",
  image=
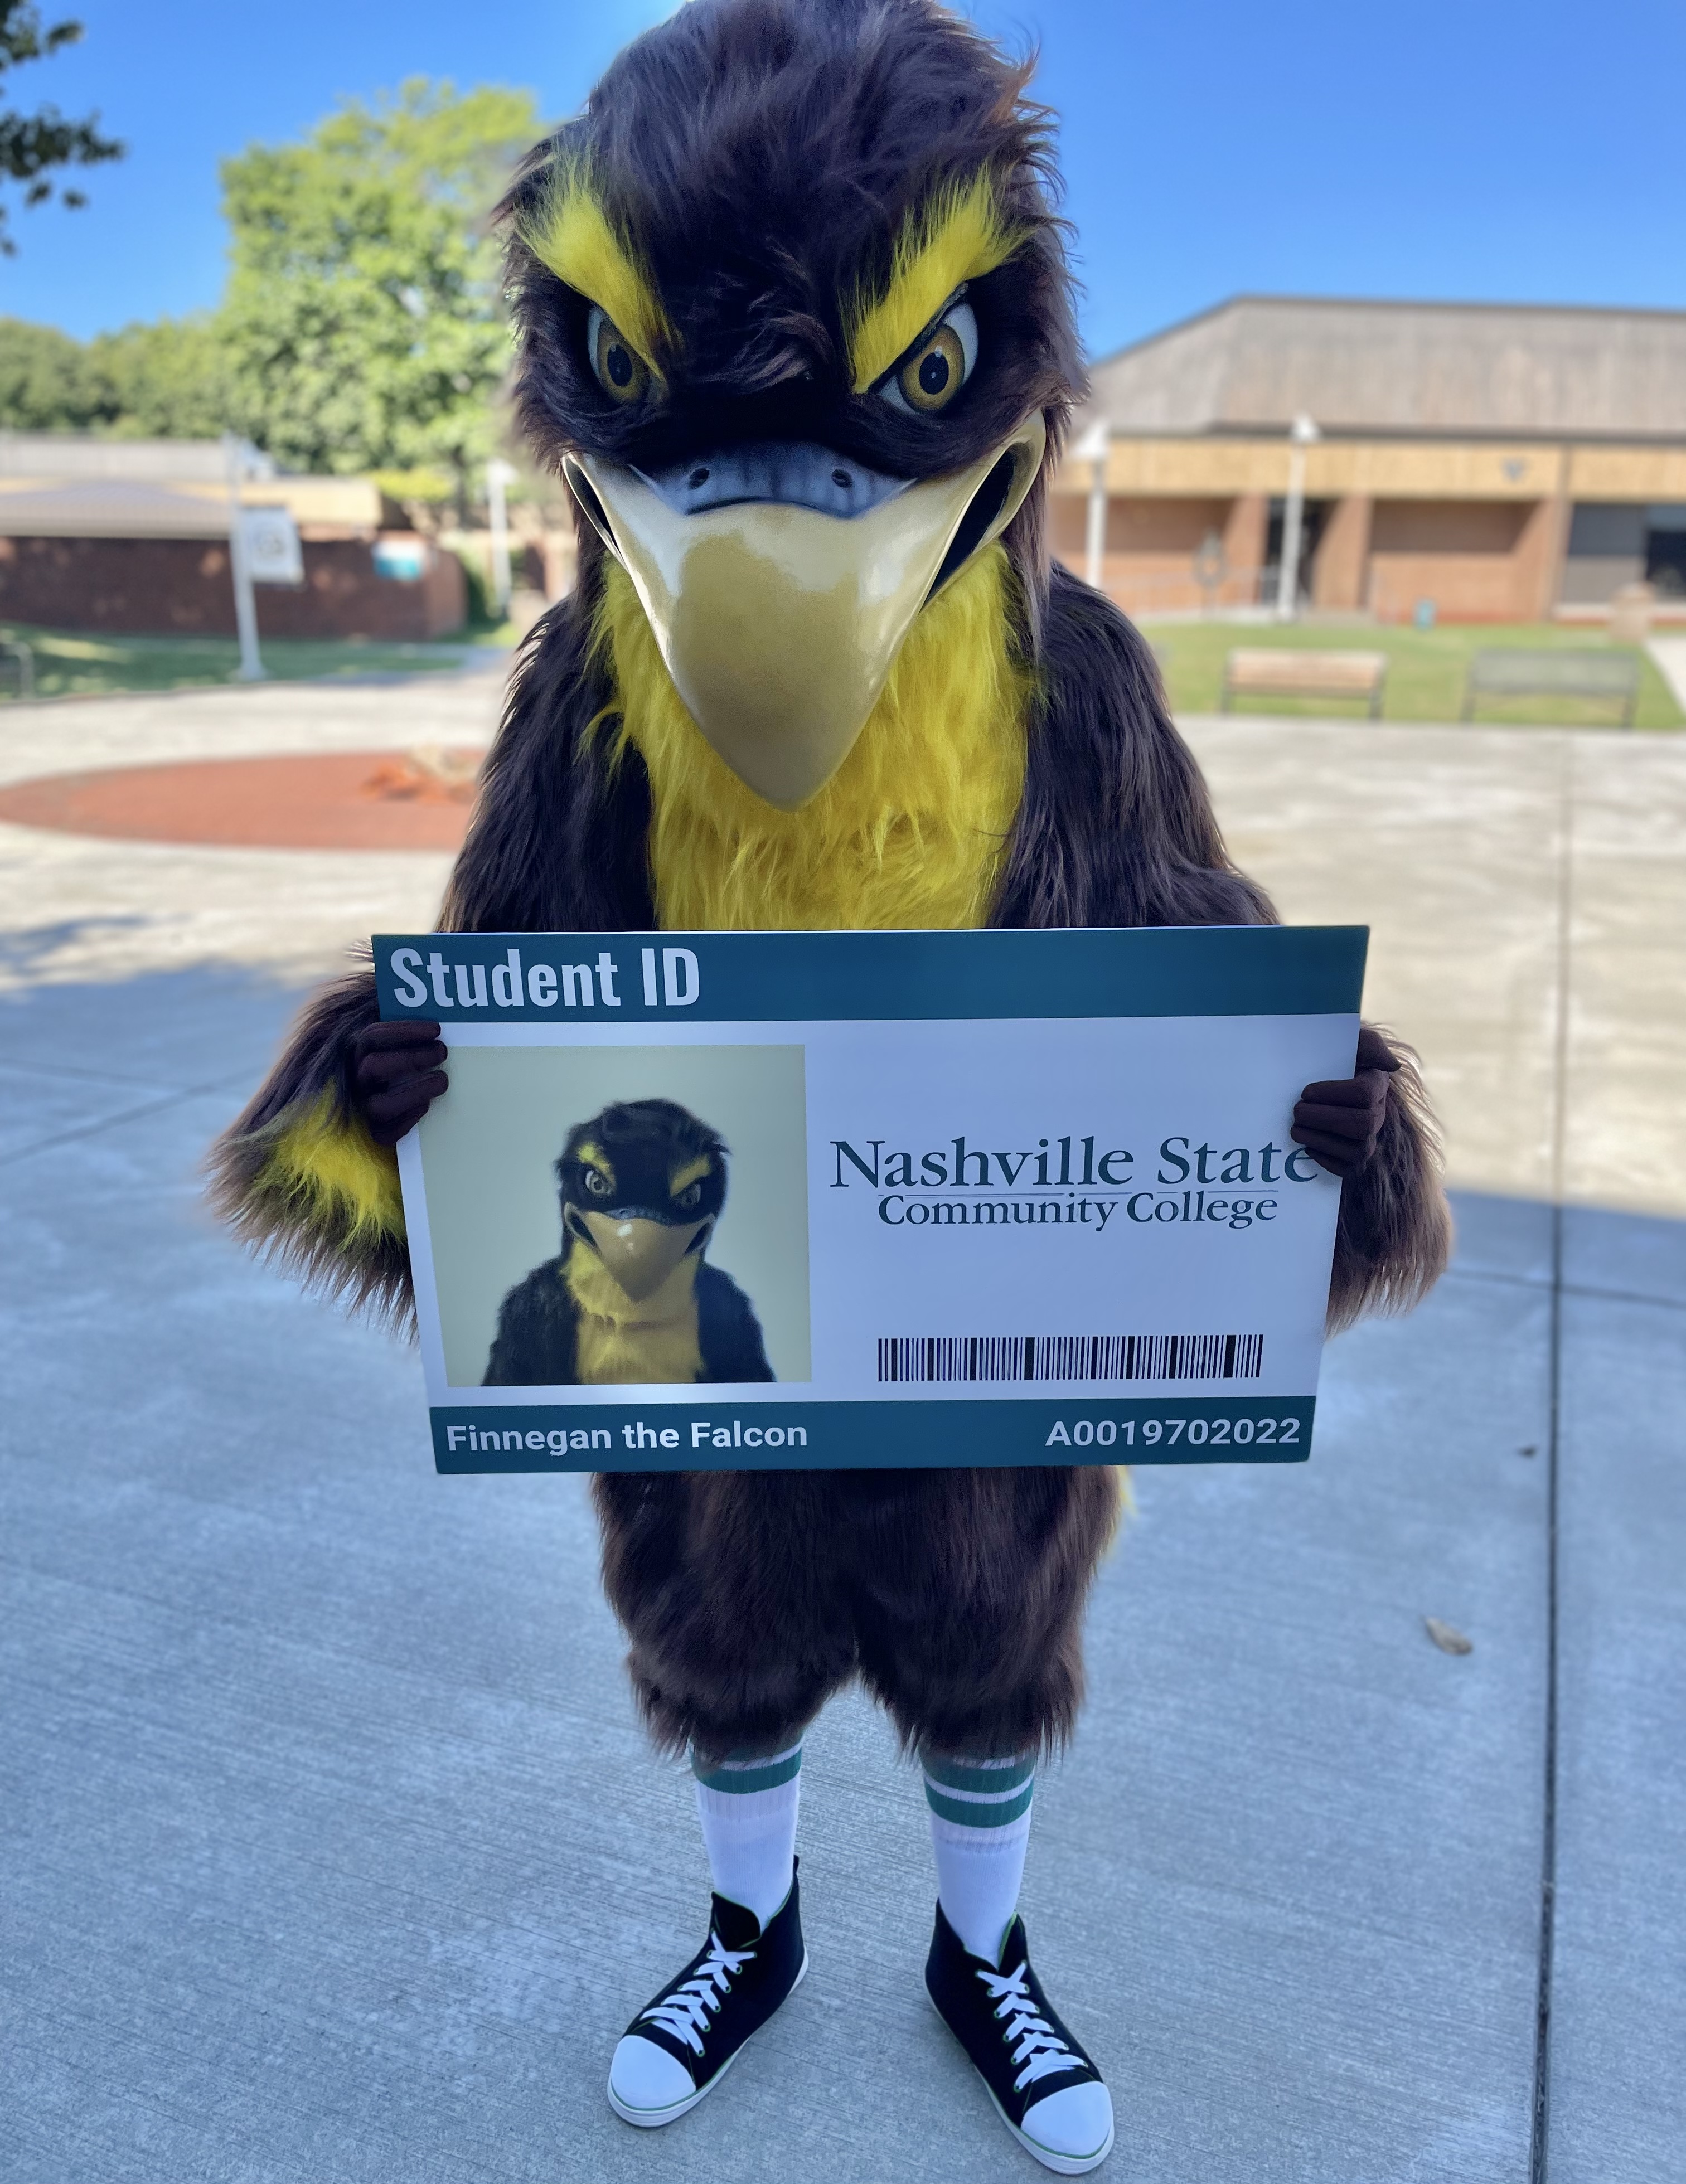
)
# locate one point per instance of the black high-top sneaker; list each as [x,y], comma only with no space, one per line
[1045,2090]
[680,2046]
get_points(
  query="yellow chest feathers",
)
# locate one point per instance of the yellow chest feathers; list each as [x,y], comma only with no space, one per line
[619,1343]
[911,830]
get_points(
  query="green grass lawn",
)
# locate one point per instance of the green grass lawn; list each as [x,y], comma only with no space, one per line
[67,666]
[1426,670]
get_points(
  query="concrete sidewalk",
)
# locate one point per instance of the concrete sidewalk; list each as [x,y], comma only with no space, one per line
[331,1837]
[332,1845]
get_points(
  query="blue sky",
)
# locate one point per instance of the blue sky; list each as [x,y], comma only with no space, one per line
[1459,148]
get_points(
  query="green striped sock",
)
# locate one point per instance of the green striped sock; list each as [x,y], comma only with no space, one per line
[980,1824]
[979,1793]
[748,1806]
[742,1777]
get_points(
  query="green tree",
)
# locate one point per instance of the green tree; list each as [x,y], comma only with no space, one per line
[364,327]
[46,385]
[167,380]
[31,145]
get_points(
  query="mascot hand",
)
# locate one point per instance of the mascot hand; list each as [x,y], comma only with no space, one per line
[1338,1123]
[396,1077]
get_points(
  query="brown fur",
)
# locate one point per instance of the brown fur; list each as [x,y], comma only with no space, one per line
[957,1597]
[1394,1235]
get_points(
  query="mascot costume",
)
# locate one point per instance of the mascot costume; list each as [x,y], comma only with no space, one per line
[629,1298]
[795,325]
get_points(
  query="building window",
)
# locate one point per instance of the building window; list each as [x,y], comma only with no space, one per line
[1666,550]
[1606,550]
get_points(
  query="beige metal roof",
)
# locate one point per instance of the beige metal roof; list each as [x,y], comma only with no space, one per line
[119,508]
[84,455]
[1467,369]
[69,485]
[49,507]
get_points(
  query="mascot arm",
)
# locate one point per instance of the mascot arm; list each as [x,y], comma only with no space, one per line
[1394,1234]
[300,1173]
[308,1173]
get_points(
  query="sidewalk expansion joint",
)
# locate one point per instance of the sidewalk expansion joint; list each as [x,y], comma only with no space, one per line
[109,1122]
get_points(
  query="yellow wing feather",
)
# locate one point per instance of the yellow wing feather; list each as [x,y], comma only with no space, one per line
[339,1172]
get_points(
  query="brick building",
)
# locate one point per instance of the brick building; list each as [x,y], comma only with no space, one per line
[131,536]
[1505,463]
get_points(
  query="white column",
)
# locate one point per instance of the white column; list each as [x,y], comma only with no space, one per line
[1092,449]
[500,474]
[235,459]
[1301,434]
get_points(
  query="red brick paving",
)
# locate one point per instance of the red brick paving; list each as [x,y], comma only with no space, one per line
[333,800]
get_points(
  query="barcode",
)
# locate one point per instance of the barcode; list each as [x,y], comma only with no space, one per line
[1070,1357]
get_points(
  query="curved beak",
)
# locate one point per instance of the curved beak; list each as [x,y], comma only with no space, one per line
[780,620]
[638,1254]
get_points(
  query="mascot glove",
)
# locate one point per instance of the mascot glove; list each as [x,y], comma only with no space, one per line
[1340,1122]
[396,1075]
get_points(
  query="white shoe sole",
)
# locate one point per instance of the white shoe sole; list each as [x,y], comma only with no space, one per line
[1062,2165]
[653,2118]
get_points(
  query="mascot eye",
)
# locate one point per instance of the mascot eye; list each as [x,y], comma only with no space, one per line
[689,1198]
[933,371]
[596,1185]
[621,372]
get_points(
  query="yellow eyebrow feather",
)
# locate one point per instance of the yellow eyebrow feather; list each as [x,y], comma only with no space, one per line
[958,234]
[572,235]
[683,1177]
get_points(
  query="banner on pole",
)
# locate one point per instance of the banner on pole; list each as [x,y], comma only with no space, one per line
[273,551]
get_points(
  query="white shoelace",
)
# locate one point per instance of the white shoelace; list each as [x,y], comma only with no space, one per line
[1039,2047]
[684,2012]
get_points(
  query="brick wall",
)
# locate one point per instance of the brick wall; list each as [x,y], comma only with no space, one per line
[1470,557]
[1147,564]
[1339,567]
[182,587]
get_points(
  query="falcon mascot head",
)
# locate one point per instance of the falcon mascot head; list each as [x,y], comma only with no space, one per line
[642,1185]
[794,325]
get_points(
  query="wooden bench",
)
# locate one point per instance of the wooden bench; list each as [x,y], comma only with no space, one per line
[1613,677]
[1274,673]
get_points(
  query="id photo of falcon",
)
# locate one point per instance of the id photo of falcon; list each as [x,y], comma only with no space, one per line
[631,1299]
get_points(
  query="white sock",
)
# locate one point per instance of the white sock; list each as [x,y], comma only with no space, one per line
[980,1824]
[748,1811]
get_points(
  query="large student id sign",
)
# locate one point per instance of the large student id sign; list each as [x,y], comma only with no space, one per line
[732,1200]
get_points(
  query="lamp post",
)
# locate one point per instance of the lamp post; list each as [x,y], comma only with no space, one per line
[1301,434]
[1092,449]
[498,475]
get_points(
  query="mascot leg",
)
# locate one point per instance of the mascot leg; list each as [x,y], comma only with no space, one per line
[969,1588]
[958,1596]
[1045,2088]
[677,2047]
[728,1587]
